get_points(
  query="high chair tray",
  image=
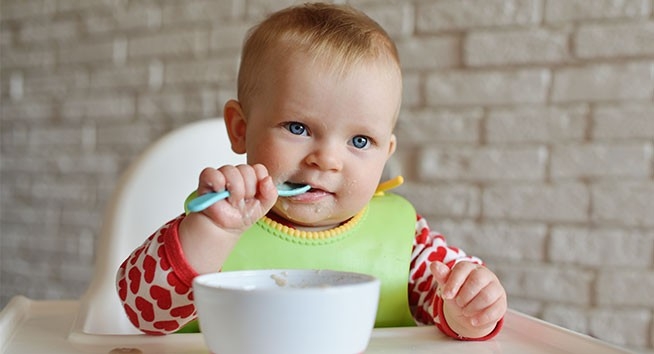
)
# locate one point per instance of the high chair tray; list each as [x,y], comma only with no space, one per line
[28,326]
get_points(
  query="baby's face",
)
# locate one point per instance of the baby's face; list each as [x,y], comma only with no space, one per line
[333,132]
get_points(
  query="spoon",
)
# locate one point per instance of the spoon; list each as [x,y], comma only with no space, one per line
[204,201]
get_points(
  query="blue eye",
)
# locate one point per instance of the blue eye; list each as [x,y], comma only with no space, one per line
[296,128]
[360,142]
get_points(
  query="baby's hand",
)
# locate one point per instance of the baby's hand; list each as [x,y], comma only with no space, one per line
[473,298]
[251,195]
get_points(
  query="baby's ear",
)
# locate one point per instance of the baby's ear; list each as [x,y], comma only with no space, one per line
[236,125]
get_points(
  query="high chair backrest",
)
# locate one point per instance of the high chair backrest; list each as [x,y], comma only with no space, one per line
[151,192]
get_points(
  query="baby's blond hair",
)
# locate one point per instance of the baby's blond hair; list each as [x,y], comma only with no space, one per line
[338,35]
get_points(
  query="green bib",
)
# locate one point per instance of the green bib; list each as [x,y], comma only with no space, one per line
[377,241]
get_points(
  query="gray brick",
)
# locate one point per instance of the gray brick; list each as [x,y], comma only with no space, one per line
[601,248]
[516,47]
[496,241]
[615,40]
[38,30]
[57,84]
[443,199]
[626,287]
[625,121]
[429,53]
[96,51]
[570,10]
[483,164]
[201,71]
[396,17]
[571,317]
[538,124]
[22,9]
[456,15]
[547,283]
[115,107]
[175,12]
[17,57]
[603,82]
[411,91]
[133,76]
[601,160]
[193,43]
[439,126]
[621,327]
[560,202]
[487,87]
[228,37]
[628,203]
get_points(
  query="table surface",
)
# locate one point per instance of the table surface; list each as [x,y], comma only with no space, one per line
[28,326]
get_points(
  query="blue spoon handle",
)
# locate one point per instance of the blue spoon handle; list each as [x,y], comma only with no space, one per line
[206,200]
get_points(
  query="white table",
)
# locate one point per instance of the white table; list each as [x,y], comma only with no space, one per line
[28,326]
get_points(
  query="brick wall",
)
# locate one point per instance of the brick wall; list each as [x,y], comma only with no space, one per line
[526,136]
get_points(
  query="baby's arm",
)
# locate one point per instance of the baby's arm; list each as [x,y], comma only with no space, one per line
[426,303]
[208,237]
[154,283]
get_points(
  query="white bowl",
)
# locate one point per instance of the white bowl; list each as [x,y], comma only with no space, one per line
[286,311]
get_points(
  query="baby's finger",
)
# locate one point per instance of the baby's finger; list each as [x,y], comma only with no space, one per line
[250,181]
[484,298]
[211,180]
[490,314]
[457,278]
[235,183]
[478,278]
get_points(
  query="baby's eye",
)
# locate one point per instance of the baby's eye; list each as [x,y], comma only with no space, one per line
[360,142]
[296,128]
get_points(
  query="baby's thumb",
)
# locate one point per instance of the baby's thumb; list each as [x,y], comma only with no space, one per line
[440,272]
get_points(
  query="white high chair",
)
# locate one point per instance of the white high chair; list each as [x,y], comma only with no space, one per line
[151,192]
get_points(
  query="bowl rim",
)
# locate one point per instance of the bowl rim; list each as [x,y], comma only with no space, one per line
[363,279]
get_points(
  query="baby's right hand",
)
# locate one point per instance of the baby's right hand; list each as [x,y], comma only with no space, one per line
[252,194]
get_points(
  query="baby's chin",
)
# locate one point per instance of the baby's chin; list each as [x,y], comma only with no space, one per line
[312,222]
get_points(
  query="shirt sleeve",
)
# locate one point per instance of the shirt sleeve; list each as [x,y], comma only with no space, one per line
[426,306]
[154,283]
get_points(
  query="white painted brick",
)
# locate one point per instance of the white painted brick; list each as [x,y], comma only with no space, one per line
[625,121]
[161,104]
[77,5]
[570,10]
[39,109]
[615,40]
[601,248]
[428,53]
[125,137]
[604,82]
[516,47]
[201,71]
[621,327]
[547,283]
[119,18]
[626,287]
[193,12]
[21,9]
[487,87]
[439,126]
[411,91]
[601,160]
[95,51]
[627,203]
[133,76]
[395,16]
[116,106]
[539,124]
[18,57]
[72,190]
[451,15]
[496,241]
[193,42]
[258,9]
[59,83]
[559,202]
[228,37]
[483,164]
[443,199]
[38,30]
[55,137]
[570,317]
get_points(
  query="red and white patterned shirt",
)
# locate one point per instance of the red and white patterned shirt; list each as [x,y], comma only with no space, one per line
[155,282]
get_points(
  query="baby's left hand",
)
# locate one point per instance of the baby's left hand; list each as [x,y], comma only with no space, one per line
[473,298]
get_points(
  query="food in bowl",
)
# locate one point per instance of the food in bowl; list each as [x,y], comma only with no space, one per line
[286,311]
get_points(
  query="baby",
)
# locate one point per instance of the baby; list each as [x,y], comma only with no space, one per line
[319,93]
